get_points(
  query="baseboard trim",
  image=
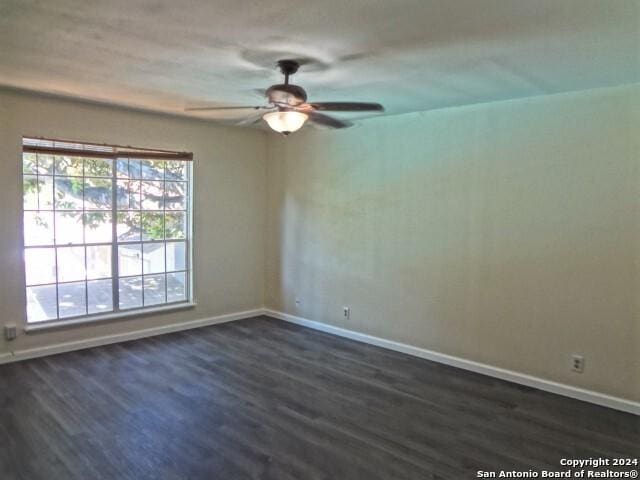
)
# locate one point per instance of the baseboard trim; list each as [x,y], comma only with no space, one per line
[590,396]
[26,354]
[585,395]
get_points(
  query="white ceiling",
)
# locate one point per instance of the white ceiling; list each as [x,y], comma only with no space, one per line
[409,55]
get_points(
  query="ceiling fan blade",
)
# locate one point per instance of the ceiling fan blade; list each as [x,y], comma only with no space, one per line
[327,121]
[204,109]
[254,118]
[347,107]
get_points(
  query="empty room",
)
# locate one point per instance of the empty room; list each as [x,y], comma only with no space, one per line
[319,240]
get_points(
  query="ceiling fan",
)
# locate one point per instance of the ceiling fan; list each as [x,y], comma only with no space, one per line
[288,109]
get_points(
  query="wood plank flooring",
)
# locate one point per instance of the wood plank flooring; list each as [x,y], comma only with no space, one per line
[263,399]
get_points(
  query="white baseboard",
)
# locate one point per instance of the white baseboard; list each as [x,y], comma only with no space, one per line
[26,354]
[489,370]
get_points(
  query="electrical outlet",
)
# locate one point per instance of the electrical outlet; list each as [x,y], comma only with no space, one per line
[577,363]
[10,331]
[346,312]
[298,302]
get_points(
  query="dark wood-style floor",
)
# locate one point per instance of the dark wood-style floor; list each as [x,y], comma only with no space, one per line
[262,399]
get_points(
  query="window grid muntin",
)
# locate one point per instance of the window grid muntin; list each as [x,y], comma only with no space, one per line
[185,179]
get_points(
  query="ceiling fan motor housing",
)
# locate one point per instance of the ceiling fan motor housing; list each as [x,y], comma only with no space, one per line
[286,94]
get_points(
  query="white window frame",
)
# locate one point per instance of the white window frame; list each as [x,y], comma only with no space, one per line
[116,311]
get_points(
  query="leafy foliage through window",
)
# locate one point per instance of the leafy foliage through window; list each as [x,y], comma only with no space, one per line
[104,234]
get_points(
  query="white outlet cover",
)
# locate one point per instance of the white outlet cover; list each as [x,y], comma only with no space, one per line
[10,331]
[577,363]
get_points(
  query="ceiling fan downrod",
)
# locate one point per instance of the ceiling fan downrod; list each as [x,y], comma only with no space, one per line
[288,67]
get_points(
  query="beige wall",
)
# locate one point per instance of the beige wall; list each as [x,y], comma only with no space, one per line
[229,207]
[504,233]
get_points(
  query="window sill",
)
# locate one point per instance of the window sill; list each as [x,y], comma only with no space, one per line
[54,324]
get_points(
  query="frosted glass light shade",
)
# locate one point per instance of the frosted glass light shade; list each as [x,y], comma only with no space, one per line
[285,122]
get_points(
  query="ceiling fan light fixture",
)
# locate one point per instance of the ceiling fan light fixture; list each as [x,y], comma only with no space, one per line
[285,122]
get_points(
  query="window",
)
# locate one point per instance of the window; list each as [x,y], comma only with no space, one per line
[106,229]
